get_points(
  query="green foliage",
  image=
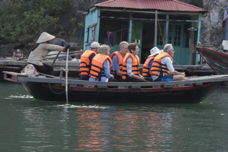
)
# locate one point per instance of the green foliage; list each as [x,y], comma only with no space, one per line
[21,21]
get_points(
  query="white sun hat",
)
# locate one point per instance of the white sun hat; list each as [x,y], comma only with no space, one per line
[155,51]
[44,37]
[95,45]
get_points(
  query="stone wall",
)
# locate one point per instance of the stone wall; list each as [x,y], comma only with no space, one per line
[212,30]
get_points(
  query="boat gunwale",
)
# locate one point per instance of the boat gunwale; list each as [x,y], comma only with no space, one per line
[202,49]
[136,90]
[132,85]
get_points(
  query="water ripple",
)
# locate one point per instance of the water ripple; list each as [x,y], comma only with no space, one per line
[70,106]
[19,97]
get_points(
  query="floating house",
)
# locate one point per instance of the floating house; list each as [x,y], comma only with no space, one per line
[149,23]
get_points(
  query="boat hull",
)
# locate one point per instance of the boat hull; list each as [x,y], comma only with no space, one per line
[218,61]
[56,92]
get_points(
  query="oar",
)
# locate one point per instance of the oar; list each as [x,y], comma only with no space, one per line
[66,78]
[55,58]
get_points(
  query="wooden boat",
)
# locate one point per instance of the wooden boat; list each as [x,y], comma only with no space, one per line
[191,90]
[16,66]
[217,60]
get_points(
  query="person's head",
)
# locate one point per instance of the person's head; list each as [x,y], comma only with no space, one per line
[104,49]
[133,48]
[123,47]
[154,51]
[95,46]
[45,37]
[169,49]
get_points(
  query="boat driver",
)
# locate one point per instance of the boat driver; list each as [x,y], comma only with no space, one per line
[44,46]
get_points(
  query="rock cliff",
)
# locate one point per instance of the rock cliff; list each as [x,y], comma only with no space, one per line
[212,30]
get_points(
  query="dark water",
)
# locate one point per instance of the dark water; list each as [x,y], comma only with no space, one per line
[29,125]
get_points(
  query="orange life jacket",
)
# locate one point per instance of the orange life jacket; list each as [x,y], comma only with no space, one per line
[135,65]
[97,68]
[85,62]
[120,58]
[157,67]
[146,68]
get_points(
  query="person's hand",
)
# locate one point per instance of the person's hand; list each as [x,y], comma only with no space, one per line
[66,47]
[182,73]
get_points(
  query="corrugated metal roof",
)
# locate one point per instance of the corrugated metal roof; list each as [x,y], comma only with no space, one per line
[164,5]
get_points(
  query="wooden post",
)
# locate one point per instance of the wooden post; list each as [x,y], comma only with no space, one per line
[198,57]
[130,29]
[155,28]
[98,26]
[199,27]
[167,29]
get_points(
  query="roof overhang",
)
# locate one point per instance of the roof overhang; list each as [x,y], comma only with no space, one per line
[148,11]
[151,5]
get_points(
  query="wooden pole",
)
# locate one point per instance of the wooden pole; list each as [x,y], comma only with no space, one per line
[66,78]
[198,57]
[199,28]
[167,29]
[130,29]
[155,28]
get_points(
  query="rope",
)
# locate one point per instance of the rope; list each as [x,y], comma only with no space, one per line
[49,85]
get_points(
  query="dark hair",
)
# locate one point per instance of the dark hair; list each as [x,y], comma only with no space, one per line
[132,47]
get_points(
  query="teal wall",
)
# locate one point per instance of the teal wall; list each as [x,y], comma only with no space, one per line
[92,21]
[178,36]
[136,35]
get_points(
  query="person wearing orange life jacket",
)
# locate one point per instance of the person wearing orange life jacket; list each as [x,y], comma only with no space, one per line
[86,59]
[117,60]
[148,63]
[162,68]
[131,63]
[101,65]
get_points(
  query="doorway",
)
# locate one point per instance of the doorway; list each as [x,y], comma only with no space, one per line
[147,40]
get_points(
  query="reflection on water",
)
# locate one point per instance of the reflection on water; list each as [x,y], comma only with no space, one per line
[29,125]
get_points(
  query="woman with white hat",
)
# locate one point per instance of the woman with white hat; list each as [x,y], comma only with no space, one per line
[148,63]
[44,46]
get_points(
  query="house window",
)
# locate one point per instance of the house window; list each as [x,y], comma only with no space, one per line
[161,34]
[93,29]
[91,33]
[113,31]
[175,34]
